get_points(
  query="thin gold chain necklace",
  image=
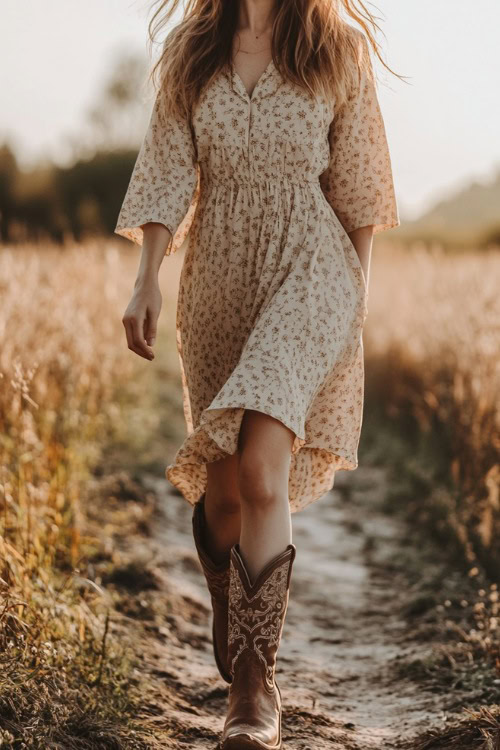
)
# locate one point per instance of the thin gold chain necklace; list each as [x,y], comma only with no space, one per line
[247,52]
[254,53]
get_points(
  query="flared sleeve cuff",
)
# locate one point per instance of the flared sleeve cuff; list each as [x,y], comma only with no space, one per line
[381,220]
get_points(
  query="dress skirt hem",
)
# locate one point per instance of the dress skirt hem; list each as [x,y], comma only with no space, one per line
[216,437]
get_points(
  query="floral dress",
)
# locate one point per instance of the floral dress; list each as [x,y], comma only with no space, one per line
[272,297]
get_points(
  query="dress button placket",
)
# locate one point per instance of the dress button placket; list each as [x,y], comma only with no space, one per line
[248,125]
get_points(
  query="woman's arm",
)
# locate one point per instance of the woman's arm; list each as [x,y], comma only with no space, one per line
[156,213]
[156,239]
[141,316]
[362,239]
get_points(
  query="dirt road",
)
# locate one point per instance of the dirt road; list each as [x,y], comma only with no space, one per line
[343,639]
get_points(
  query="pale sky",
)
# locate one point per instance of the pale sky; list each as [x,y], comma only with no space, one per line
[443,127]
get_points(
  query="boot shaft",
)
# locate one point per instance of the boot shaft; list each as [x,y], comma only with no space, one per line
[217,578]
[216,574]
[257,611]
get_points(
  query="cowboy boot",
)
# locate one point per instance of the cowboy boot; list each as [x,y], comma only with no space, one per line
[255,623]
[217,577]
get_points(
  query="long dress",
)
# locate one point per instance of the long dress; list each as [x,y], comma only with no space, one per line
[272,297]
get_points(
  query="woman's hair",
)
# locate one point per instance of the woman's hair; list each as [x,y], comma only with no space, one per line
[312,46]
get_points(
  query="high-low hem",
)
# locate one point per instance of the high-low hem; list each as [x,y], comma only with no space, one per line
[216,437]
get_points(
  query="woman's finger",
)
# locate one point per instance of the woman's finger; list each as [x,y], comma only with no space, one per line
[134,339]
[138,338]
[150,325]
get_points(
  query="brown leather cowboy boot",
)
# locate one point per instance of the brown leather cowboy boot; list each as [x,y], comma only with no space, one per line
[217,576]
[256,616]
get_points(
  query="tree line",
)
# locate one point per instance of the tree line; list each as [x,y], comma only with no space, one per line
[57,203]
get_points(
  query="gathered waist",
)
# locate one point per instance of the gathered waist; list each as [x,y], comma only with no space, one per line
[258,192]
[245,181]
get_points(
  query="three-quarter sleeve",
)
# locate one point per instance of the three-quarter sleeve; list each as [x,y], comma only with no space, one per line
[164,185]
[358,182]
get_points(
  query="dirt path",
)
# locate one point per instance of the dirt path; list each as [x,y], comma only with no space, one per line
[343,635]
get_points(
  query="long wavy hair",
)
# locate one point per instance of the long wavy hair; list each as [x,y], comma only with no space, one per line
[313,46]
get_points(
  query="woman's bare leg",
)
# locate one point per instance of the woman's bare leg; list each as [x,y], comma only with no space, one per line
[264,447]
[246,499]
[222,507]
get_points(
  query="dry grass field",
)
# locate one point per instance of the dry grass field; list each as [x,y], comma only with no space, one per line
[73,399]
[62,369]
[432,345]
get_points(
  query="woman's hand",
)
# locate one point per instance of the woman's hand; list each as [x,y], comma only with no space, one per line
[141,316]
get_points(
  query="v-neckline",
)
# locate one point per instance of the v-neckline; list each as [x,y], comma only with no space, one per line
[262,76]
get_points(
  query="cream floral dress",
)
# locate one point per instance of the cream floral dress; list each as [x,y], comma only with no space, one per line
[272,297]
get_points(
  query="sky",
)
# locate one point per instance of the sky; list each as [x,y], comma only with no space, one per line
[443,125]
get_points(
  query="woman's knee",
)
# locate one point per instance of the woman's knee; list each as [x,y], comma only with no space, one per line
[222,494]
[223,502]
[259,483]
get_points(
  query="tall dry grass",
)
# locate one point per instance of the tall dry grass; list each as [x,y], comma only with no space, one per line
[63,361]
[432,347]
[432,406]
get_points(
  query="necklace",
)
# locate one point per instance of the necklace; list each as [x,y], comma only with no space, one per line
[254,53]
[247,52]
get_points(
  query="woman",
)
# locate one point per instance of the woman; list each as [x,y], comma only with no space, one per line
[266,148]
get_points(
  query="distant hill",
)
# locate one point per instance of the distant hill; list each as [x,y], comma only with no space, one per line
[470,216]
